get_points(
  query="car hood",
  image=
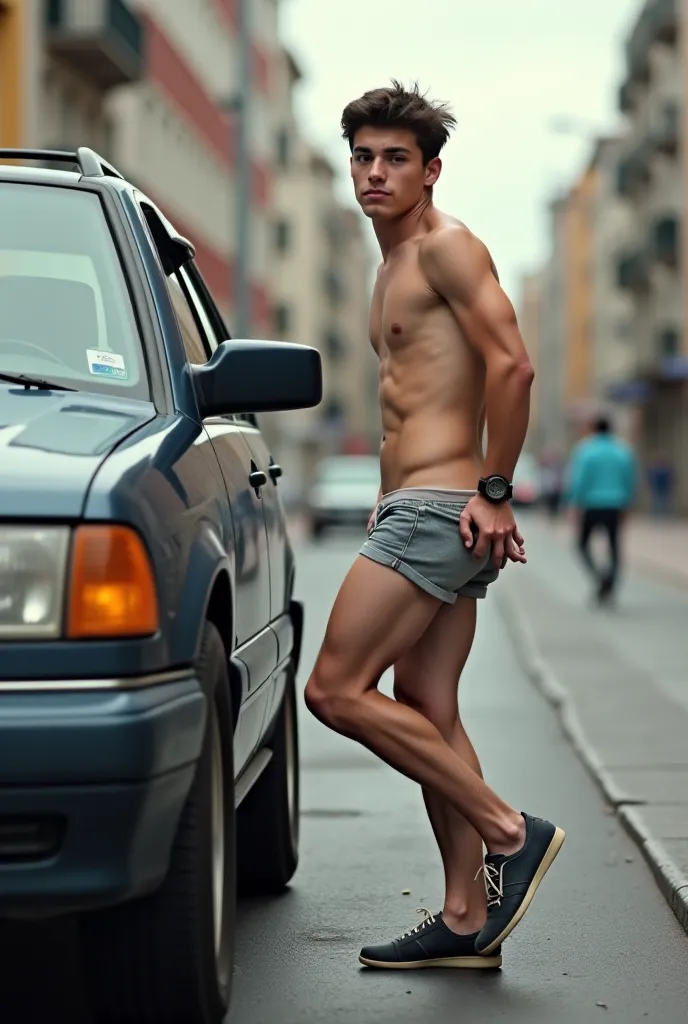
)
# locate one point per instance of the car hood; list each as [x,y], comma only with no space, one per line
[52,443]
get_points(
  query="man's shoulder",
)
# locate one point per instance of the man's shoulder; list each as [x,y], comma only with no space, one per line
[452,245]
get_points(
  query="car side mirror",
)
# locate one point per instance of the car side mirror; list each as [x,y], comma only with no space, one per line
[258,376]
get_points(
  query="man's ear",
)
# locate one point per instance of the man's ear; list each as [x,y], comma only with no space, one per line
[432,172]
[351,165]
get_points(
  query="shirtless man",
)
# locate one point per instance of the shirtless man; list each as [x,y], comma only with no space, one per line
[451,360]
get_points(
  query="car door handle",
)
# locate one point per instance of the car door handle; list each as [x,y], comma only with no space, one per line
[257,478]
[275,471]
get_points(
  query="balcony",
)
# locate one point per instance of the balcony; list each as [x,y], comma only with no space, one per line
[633,171]
[658,23]
[633,271]
[665,241]
[102,40]
[626,98]
[333,287]
[666,131]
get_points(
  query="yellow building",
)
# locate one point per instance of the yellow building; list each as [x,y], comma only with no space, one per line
[579,396]
[530,323]
[12,13]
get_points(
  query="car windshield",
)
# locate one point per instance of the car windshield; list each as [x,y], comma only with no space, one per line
[65,311]
[349,469]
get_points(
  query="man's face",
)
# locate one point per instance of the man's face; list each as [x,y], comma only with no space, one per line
[388,171]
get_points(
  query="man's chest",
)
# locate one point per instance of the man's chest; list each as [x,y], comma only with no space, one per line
[402,302]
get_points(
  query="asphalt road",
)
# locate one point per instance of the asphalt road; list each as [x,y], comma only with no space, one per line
[598,943]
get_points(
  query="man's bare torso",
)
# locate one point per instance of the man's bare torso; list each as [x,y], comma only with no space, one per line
[432,383]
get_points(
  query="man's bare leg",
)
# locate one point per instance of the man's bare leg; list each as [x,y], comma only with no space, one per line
[377,618]
[426,678]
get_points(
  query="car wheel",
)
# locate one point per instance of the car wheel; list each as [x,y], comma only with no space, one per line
[268,818]
[169,956]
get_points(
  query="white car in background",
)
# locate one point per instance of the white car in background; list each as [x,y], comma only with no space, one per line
[526,482]
[344,492]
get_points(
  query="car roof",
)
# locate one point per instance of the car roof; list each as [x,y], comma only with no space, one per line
[83,167]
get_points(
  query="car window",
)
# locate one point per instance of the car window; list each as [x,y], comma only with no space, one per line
[199,308]
[65,310]
[194,344]
[209,316]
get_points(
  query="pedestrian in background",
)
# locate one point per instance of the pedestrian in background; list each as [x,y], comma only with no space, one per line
[601,486]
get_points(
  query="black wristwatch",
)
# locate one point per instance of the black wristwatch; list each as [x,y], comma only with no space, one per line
[495,488]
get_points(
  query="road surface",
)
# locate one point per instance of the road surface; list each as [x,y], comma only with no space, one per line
[598,943]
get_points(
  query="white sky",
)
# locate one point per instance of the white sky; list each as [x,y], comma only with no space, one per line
[507,67]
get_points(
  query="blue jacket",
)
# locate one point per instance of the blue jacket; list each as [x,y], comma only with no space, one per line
[602,473]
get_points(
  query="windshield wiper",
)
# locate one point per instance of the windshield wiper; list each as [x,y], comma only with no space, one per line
[33,382]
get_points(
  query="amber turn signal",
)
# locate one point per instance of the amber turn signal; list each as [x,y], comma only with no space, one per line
[112,590]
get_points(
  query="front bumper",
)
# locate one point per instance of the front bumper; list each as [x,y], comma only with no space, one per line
[92,783]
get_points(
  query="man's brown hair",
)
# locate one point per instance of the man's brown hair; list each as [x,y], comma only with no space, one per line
[397,107]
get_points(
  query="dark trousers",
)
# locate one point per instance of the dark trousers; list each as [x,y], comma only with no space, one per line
[608,520]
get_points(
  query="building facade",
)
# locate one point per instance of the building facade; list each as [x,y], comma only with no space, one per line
[529,311]
[151,85]
[652,266]
[320,272]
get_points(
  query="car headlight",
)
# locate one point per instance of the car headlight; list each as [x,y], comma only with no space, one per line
[33,564]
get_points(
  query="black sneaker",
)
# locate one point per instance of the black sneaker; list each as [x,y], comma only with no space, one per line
[511,882]
[429,944]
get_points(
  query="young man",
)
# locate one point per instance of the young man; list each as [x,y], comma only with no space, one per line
[451,358]
[602,481]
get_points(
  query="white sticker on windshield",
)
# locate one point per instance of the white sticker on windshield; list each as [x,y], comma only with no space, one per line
[106,364]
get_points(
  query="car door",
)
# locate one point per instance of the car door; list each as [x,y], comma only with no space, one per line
[263,461]
[275,520]
[246,484]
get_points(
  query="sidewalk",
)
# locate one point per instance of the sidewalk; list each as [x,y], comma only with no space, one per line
[617,678]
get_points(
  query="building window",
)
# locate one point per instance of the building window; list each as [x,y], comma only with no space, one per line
[333,287]
[282,236]
[334,346]
[282,319]
[333,409]
[669,343]
[283,153]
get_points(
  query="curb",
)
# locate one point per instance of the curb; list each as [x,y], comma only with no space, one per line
[671,882]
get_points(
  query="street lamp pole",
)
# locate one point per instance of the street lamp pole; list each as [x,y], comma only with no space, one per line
[242,255]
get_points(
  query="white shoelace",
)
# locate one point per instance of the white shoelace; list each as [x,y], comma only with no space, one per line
[429,919]
[494,884]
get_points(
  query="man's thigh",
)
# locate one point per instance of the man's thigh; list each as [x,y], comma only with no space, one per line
[428,674]
[377,617]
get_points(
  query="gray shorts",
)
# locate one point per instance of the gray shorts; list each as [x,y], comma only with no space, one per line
[416,532]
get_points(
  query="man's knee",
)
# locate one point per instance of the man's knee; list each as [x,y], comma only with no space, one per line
[329,700]
[443,717]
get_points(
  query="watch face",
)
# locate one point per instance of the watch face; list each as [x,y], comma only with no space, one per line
[496,488]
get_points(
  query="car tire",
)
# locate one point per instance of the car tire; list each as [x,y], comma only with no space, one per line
[161,957]
[268,817]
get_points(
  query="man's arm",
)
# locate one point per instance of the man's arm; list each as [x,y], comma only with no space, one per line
[459,268]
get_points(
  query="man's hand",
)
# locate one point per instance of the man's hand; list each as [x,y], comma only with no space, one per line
[495,526]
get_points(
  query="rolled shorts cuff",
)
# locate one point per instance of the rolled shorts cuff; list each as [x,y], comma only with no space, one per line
[376,554]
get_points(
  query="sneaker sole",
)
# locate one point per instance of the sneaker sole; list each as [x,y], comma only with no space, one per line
[479,963]
[556,843]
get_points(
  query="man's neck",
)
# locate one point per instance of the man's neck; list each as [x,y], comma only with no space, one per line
[419,220]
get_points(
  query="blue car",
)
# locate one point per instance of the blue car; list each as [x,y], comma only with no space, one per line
[149,639]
